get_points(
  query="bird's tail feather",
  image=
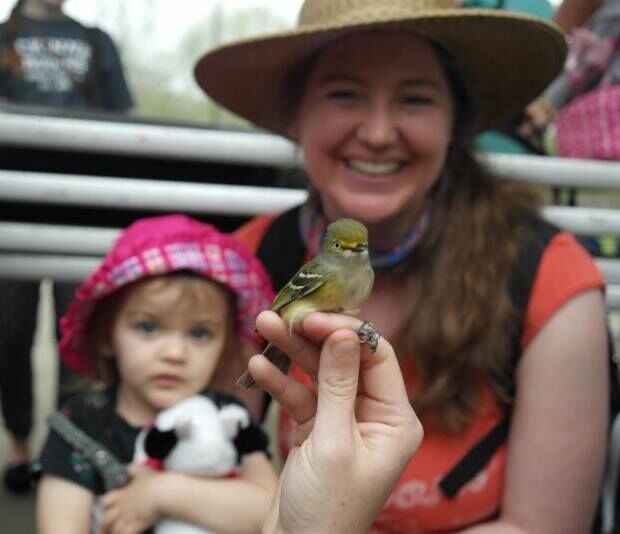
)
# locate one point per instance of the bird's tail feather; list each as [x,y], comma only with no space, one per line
[275,356]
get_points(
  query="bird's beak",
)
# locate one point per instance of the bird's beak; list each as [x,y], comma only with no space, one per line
[360,248]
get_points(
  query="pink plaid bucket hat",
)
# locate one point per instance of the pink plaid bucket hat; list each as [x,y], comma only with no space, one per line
[160,245]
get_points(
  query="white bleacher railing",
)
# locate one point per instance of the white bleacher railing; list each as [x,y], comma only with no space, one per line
[32,251]
[138,139]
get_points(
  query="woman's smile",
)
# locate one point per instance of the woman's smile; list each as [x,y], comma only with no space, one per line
[374,168]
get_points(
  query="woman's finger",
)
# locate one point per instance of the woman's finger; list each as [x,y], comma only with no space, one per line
[296,398]
[337,386]
[300,349]
[380,373]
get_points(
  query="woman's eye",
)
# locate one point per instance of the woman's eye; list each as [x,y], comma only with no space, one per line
[200,333]
[147,327]
[415,100]
[341,94]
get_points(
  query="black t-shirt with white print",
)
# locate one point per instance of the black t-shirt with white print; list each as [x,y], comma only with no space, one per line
[64,64]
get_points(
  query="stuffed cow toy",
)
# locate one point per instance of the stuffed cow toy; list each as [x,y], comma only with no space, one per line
[195,437]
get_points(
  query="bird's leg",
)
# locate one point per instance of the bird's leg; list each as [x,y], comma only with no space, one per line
[369,334]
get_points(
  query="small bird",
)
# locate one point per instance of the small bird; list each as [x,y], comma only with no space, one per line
[338,279]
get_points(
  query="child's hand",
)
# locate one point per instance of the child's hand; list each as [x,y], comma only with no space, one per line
[132,508]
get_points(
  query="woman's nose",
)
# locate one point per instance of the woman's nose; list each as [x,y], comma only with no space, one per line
[377,126]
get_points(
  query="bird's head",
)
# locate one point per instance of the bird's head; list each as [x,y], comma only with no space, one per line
[345,237]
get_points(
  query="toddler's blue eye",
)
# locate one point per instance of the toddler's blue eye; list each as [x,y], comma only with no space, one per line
[148,327]
[200,333]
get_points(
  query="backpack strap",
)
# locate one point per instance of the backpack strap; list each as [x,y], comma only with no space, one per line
[112,470]
[281,252]
[521,280]
[282,249]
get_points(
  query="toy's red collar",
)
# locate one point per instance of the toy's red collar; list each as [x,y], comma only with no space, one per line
[154,463]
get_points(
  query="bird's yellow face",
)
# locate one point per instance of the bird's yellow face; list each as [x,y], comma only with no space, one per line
[339,246]
[345,236]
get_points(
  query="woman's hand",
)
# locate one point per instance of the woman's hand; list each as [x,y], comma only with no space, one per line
[355,435]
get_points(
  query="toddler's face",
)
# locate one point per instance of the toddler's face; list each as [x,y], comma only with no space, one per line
[167,338]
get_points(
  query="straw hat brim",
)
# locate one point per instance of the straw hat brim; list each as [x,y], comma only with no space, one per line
[509,59]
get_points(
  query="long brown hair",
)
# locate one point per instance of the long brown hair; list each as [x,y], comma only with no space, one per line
[460,318]
[459,321]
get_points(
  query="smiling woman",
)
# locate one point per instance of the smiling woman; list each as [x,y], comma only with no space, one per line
[384,98]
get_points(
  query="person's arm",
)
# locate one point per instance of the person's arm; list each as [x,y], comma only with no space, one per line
[116,95]
[574,13]
[557,443]
[62,507]
[541,112]
[234,505]
[355,435]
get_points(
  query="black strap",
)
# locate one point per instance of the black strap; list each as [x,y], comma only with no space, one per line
[539,233]
[282,248]
[282,253]
[475,459]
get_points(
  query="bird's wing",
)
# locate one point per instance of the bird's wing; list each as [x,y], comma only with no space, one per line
[305,281]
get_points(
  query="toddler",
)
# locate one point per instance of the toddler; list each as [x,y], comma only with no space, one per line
[170,300]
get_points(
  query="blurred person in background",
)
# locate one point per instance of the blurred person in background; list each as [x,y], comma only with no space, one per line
[593,64]
[50,59]
[578,114]
[46,59]
[573,13]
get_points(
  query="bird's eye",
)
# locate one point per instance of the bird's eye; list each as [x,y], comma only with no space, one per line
[337,245]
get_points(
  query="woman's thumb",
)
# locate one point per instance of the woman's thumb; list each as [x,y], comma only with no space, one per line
[338,377]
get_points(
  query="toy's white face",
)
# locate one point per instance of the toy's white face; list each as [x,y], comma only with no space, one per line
[167,340]
[205,436]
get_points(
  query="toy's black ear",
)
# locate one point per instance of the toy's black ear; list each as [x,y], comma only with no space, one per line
[159,443]
[249,440]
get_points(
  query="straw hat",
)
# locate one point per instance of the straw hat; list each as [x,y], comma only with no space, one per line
[508,57]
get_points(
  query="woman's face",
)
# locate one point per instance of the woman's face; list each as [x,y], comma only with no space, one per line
[375,122]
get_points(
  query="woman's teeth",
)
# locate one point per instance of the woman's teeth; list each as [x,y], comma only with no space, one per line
[368,167]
